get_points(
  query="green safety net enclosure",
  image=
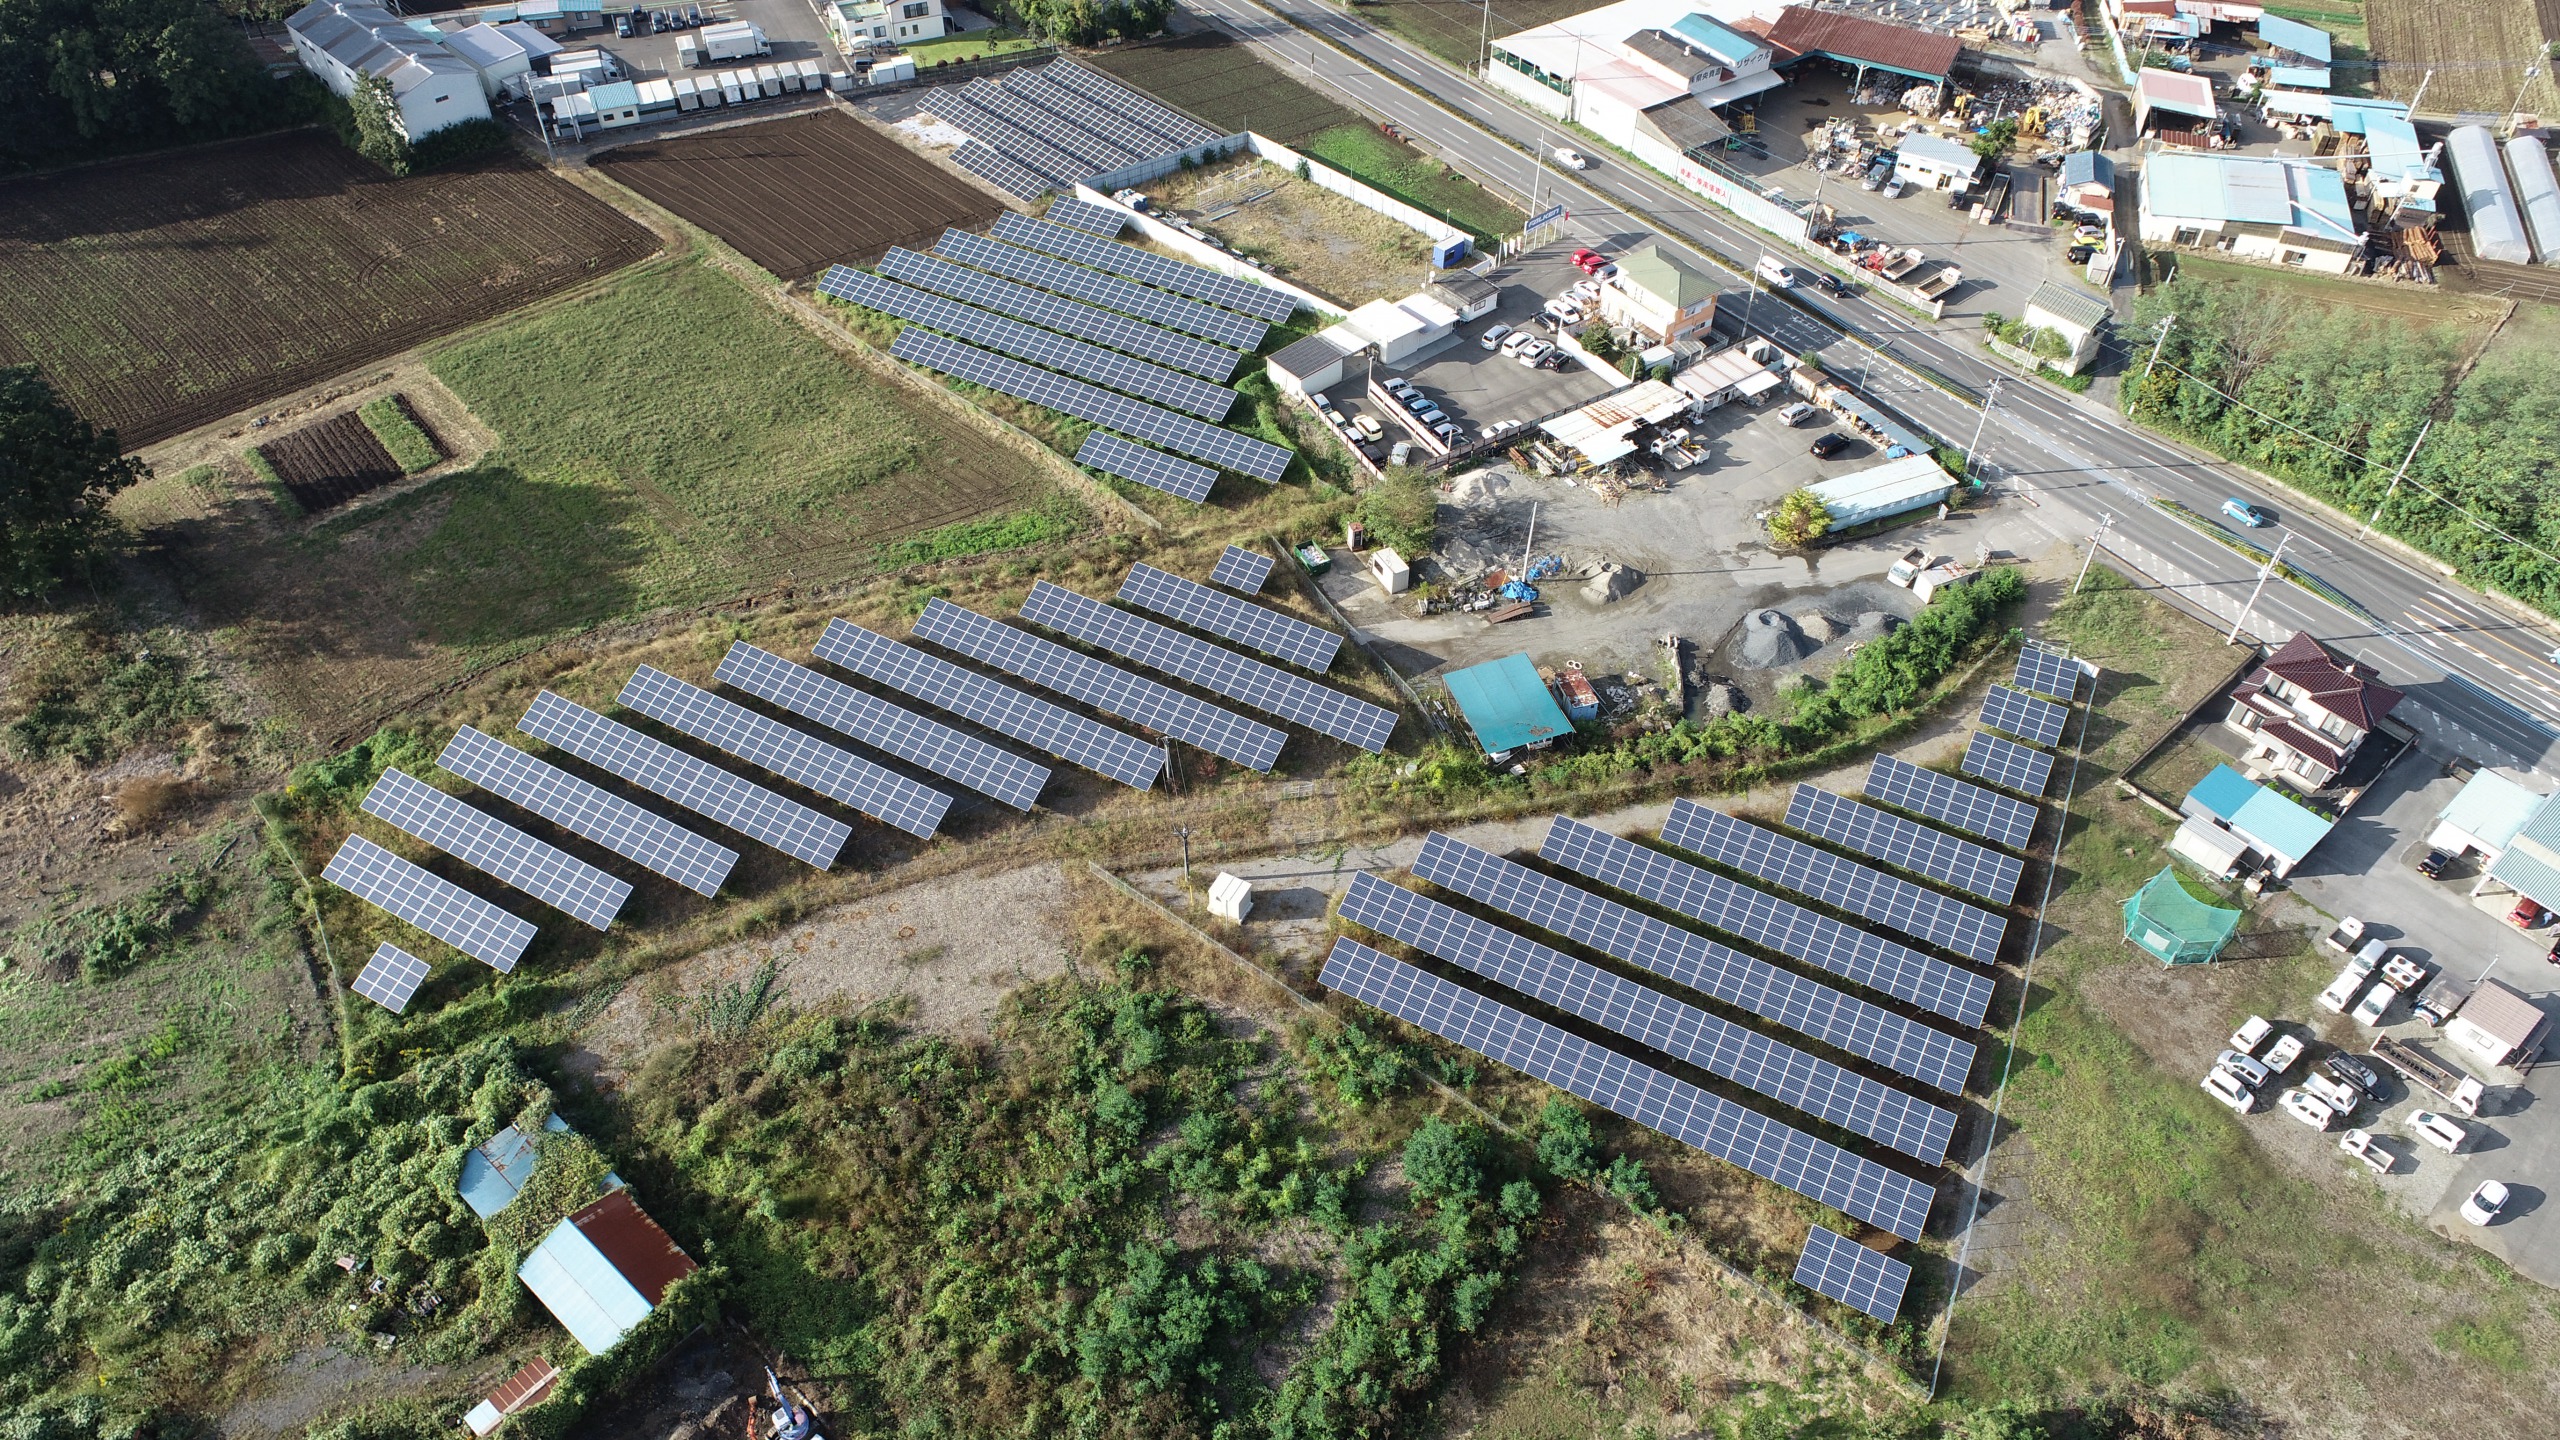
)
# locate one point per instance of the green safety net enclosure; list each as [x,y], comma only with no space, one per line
[2174,926]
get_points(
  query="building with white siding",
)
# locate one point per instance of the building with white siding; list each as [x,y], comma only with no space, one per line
[431,86]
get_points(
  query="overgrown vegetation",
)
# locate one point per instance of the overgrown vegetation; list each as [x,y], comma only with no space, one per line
[88,693]
[57,474]
[1401,511]
[85,78]
[409,444]
[1800,519]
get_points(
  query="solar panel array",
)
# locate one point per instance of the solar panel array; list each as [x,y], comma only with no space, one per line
[1109,291]
[1089,153]
[582,809]
[1764,919]
[1182,130]
[1139,141]
[1112,455]
[1968,930]
[1086,216]
[2023,715]
[1074,317]
[706,789]
[1107,688]
[2007,764]
[1906,843]
[1306,646]
[2047,672]
[1181,433]
[937,747]
[795,755]
[1950,801]
[432,903]
[1852,1274]
[391,978]
[984,126]
[1146,267]
[1240,569]
[485,843]
[992,703]
[1871,1032]
[1766,1148]
[1000,170]
[1268,688]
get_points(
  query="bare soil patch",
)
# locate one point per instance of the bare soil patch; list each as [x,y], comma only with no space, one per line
[330,463]
[1304,232]
[2477,50]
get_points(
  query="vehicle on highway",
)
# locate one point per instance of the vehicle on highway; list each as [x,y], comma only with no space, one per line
[2350,1070]
[2249,1071]
[2484,1204]
[2246,513]
[2433,864]
[1832,284]
[1828,444]
[2359,1143]
[1493,337]
[2376,1004]
[1369,426]
[1797,414]
[2253,1032]
[1572,159]
[2446,1135]
[1776,274]
[1533,352]
[2307,1108]
[2224,1086]
[1520,340]
[2281,1055]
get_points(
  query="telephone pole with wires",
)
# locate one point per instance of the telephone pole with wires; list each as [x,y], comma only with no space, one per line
[2097,537]
[2396,477]
[2259,589]
[2165,322]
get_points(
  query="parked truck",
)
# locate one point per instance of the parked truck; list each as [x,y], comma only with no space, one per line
[735,40]
[2460,1091]
[1944,575]
[1937,283]
[1907,569]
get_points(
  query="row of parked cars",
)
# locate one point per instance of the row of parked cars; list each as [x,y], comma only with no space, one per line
[2330,1092]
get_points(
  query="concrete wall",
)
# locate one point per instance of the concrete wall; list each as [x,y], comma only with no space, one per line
[1367,197]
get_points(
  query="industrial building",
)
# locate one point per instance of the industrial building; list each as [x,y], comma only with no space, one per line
[2168,102]
[431,86]
[2285,211]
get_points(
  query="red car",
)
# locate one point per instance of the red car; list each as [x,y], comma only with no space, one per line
[1589,261]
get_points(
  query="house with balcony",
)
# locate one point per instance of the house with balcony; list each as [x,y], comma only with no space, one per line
[2305,712]
[884,24]
[1658,297]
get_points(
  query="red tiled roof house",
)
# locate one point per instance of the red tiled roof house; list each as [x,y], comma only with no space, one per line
[2305,712]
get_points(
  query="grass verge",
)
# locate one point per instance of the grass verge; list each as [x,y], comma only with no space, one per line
[404,437]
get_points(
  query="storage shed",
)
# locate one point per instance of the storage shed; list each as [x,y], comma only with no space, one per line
[1913,482]
[2484,816]
[2088,180]
[1507,706]
[601,1271]
[1934,162]
[1306,366]
[2498,1025]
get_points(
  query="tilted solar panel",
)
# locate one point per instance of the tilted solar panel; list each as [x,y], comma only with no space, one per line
[1086,216]
[697,785]
[488,844]
[1001,170]
[2007,764]
[582,809]
[432,903]
[930,744]
[1852,1274]
[1905,843]
[1240,569]
[1291,639]
[987,128]
[1146,267]
[1968,930]
[1073,317]
[1109,291]
[795,755]
[1135,140]
[992,703]
[1113,96]
[2048,672]
[2023,715]
[391,978]
[1129,460]
[1091,156]
[1950,801]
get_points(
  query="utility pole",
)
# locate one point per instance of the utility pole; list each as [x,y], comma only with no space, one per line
[1990,402]
[2165,322]
[2396,478]
[2423,82]
[2517,108]
[2259,589]
[2095,538]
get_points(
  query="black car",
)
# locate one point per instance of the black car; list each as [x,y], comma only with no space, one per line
[2080,254]
[2346,1069]
[1828,444]
[2434,864]
[1830,283]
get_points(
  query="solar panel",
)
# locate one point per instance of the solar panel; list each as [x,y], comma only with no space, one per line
[1090,156]
[433,904]
[1764,919]
[391,978]
[1223,448]
[582,809]
[1181,129]
[795,755]
[1109,291]
[1871,1032]
[1905,843]
[1107,688]
[706,789]
[1057,352]
[1137,141]
[1241,569]
[1968,930]
[1268,688]
[1852,1274]
[2006,764]
[992,703]
[2023,715]
[1102,327]
[1000,170]
[931,744]
[987,128]
[484,842]
[1950,801]
[1768,1149]
[1228,618]
[1086,216]
[1146,267]
[1112,455]
[2046,672]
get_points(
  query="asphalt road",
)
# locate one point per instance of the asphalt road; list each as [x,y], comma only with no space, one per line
[2477,680]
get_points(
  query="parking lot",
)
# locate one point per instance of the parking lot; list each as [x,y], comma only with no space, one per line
[792,27]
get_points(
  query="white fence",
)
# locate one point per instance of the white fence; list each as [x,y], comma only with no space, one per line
[1209,256]
[1366,196]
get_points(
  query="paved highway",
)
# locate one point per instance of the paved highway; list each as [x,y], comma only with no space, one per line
[2478,681]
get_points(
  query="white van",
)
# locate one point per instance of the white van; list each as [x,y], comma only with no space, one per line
[1776,274]
[2343,990]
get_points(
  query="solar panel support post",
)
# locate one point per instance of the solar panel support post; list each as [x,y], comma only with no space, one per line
[1183,833]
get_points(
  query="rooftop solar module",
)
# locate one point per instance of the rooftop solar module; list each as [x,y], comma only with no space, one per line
[1852,1274]
[2008,765]
[795,755]
[992,703]
[1968,930]
[582,809]
[1241,569]
[1090,154]
[1111,95]
[391,978]
[1109,291]
[1107,688]
[934,746]
[486,843]
[1001,170]
[2023,715]
[1074,317]
[1871,1032]
[432,903]
[1766,1148]
[1306,646]
[1950,801]
[1129,460]
[1146,267]
[988,128]
[1139,142]
[704,788]
[2048,672]
[1268,688]
[1764,919]
[1086,216]
[1907,844]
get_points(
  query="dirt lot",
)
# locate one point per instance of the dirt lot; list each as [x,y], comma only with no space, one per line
[1345,252]
[330,463]
[2477,49]
[164,292]
[799,194]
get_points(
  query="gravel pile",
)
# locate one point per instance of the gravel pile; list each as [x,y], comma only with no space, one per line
[1770,638]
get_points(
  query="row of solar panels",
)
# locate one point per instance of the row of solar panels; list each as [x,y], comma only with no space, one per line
[1046,128]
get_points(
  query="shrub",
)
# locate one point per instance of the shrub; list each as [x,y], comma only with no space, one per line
[1402,511]
[1800,519]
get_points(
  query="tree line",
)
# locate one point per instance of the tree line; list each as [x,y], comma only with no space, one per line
[81,79]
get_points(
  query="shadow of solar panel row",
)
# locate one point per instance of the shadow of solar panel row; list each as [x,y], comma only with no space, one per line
[1907,843]
[992,703]
[1073,317]
[1147,267]
[1109,291]
[1306,646]
[430,902]
[2023,715]
[703,788]
[1091,154]
[490,845]
[987,128]
[1968,930]
[2046,672]
[1852,1274]
[2007,764]
[795,755]
[1119,99]
[1086,216]
[1950,801]
[1754,1061]
[1106,688]
[1930,1056]
[1267,688]
[1775,1152]
[582,809]
[1237,569]
[1138,141]
[999,774]
[391,978]
[1180,433]
[1764,919]
[1000,170]
[1112,455]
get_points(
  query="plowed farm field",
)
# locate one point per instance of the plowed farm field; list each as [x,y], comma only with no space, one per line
[800,194]
[164,292]
[2476,50]
[331,463]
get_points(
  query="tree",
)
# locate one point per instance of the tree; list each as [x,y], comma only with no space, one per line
[380,137]
[1995,139]
[1800,519]
[57,473]
[1442,1161]
[1400,512]
[1083,22]
[80,78]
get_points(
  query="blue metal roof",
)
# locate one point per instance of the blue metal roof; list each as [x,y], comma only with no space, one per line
[1506,704]
[2088,167]
[581,1289]
[2306,41]
[2223,792]
[2300,77]
[2277,824]
[500,1167]
[2531,862]
[2248,189]
[1719,40]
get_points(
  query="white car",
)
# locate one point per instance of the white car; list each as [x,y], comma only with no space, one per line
[1492,337]
[2224,1086]
[2248,1071]
[2342,991]
[1893,188]
[2377,1003]
[1586,294]
[1369,426]
[2446,1135]
[2484,1203]
[1572,159]
[2252,1033]
[1797,414]
[2334,1093]
[1533,352]
[1565,311]
[2359,1143]
[1775,273]
[2306,1107]
[2281,1055]
[1520,340]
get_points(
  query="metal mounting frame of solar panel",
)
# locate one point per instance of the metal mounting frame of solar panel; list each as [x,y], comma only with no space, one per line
[1882,965]
[1306,646]
[574,805]
[1056,312]
[1907,844]
[1146,267]
[988,128]
[795,755]
[1949,801]
[1111,95]
[1108,291]
[1086,216]
[1900,1044]
[1837,1266]
[1267,688]
[697,785]
[1107,688]
[391,978]
[2018,713]
[1241,569]
[1179,478]
[2007,764]
[992,703]
[430,902]
[1001,170]
[1861,890]
[1772,1150]
[998,774]
[2048,672]
[1134,139]
[490,845]
[1068,140]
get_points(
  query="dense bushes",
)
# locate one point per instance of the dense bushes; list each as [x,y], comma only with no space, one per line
[1400,512]
[84,78]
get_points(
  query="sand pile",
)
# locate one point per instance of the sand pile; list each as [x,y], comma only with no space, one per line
[1820,627]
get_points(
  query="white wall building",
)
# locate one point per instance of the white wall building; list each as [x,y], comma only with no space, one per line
[342,43]
[885,24]
[1646,75]
[2251,207]
[501,60]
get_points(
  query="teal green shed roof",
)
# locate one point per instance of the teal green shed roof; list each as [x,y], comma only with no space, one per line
[2224,791]
[2280,825]
[1507,705]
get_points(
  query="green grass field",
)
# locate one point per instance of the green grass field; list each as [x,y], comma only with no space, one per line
[975,45]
